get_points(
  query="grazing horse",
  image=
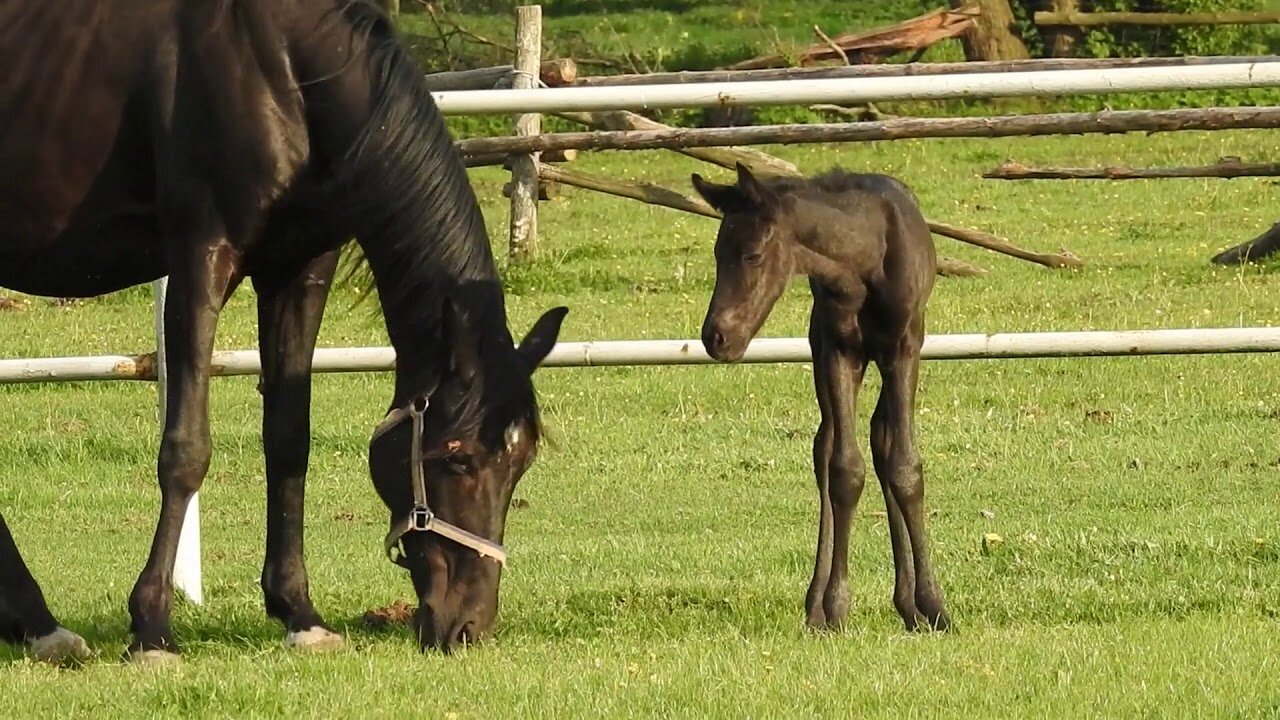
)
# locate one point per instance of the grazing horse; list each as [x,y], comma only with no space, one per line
[869,257]
[218,140]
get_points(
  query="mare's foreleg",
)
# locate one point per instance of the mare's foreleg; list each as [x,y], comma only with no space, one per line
[290,309]
[202,275]
[24,616]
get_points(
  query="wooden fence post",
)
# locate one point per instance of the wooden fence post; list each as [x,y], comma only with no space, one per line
[524,168]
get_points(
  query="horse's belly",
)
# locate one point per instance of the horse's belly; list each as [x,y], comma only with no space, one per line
[85,261]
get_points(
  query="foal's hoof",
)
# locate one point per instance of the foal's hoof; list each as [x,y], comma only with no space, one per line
[316,638]
[60,646]
[152,658]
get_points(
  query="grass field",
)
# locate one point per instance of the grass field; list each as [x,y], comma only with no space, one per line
[660,563]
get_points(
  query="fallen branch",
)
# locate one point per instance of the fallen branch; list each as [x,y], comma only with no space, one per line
[861,113]
[876,44]
[1106,122]
[1265,244]
[658,195]
[988,241]
[1226,168]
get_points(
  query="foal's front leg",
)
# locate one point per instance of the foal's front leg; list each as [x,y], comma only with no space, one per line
[838,466]
[200,282]
[290,308]
[898,462]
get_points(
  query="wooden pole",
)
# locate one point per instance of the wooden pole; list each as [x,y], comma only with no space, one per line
[981,239]
[1228,168]
[757,161]
[503,159]
[1149,121]
[553,73]
[910,70]
[524,168]
[1227,17]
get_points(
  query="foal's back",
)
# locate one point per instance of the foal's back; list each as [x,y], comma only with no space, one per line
[883,206]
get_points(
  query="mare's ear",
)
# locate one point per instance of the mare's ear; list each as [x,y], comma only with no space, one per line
[720,197]
[459,341]
[542,337]
[756,194]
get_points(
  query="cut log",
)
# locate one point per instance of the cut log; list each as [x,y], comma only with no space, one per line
[546,190]
[554,73]
[909,70]
[951,267]
[1226,17]
[725,157]
[1226,168]
[991,36]
[874,45]
[1063,259]
[1149,121]
[503,159]
[1260,247]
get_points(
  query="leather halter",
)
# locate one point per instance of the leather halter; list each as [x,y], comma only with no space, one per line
[420,518]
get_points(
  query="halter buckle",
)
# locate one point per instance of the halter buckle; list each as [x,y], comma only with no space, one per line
[420,518]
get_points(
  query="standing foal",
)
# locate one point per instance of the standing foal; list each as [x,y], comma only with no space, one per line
[869,257]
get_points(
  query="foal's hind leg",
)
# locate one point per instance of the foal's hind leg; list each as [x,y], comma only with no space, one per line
[897,458]
[840,472]
[904,573]
[24,616]
[290,308]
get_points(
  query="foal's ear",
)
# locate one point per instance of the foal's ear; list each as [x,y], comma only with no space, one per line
[459,341]
[752,190]
[720,197]
[542,337]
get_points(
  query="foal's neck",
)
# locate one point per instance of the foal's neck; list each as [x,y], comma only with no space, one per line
[831,246]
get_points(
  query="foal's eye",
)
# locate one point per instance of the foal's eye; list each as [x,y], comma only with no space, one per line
[753,259]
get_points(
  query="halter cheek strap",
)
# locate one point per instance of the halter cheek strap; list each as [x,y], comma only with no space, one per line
[420,518]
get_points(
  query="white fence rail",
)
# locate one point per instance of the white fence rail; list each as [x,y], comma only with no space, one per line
[1039,83]
[602,353]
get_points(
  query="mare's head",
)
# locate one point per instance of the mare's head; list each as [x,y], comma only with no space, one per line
[477,432]
[754,262]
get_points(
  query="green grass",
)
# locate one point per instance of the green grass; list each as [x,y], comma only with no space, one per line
[660,565]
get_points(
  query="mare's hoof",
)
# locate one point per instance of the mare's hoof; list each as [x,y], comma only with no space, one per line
[922,624]
[152,658]
[316,638]
[60,646]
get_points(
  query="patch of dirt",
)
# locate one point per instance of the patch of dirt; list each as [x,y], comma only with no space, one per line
[12,304]
[520,503]
[1099,416]
[345,516]
[397,613]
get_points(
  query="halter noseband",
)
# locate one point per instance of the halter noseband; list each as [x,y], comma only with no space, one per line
[420,518]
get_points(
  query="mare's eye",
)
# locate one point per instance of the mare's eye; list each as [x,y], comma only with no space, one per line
[459,463]
[753,259]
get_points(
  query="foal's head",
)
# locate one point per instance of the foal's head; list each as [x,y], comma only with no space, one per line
[754,261]
[475,433]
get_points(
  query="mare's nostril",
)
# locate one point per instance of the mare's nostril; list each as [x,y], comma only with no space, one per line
[718,339]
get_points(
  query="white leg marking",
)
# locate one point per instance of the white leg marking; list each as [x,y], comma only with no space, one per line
[316,638]
[59,645]
[154,657]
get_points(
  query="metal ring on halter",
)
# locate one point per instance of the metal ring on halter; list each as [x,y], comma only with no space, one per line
[421,518]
